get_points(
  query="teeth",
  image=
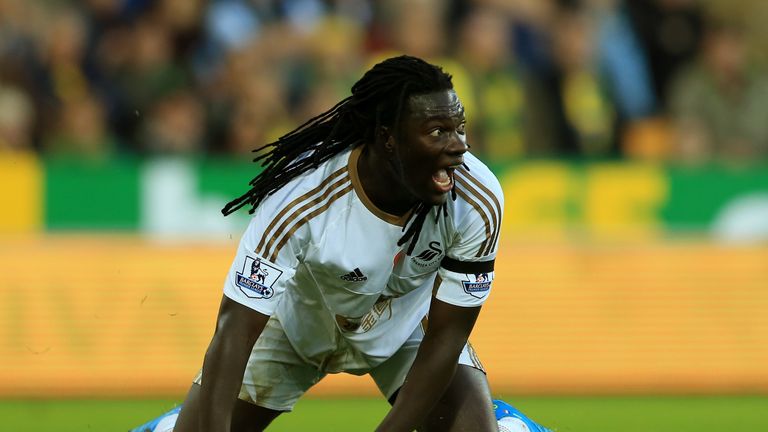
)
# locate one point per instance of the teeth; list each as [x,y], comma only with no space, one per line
[442,178]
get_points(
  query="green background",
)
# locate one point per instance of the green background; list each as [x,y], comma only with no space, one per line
[562,414]
[106,195]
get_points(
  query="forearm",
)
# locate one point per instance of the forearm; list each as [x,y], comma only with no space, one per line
[223,370]
[237,329]
[434,367]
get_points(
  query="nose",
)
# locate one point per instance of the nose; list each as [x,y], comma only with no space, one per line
[458,145]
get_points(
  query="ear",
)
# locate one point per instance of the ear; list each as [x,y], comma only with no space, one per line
[385,136]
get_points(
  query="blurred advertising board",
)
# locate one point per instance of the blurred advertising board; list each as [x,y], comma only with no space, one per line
[611,278]
[557,200]
[84,315]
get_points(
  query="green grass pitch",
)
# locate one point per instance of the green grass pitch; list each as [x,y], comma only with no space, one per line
[563,414]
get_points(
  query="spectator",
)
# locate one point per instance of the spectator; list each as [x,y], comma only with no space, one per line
[41,53]
[16,119]
[175,125]
[641,133]
[624,62]
[570,111]
[485,48]
[258,114]
[81,130]
[418,28]
[720,104]
[669,32]
[538,78]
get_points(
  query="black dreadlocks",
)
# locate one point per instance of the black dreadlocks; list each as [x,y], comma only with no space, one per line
[377,100]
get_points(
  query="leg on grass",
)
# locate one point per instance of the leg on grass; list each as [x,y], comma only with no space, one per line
[246,417]
[465,406]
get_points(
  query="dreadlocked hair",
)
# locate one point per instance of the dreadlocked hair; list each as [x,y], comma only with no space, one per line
[377,99]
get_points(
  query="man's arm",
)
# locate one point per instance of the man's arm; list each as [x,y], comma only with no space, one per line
[237,329]
[435,364]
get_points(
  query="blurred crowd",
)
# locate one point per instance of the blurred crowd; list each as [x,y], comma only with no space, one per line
[667,80]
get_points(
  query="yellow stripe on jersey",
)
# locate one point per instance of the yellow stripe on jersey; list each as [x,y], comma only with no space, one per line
[287,235]
[497,205]
[262,247]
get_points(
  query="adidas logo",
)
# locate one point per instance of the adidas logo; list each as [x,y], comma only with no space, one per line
[354,276]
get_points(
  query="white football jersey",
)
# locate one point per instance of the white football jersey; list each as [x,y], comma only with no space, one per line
[323,258]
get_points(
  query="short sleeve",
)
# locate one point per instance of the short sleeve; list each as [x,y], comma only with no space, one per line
[254,281]
[467,271]
[265,262]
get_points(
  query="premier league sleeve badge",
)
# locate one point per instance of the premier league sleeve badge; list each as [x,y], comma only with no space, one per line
[257,278]
[477,285]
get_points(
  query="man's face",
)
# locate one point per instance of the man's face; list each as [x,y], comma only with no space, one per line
[430,144]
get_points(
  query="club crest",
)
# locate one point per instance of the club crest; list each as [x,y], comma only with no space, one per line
[428,257]
[257,278]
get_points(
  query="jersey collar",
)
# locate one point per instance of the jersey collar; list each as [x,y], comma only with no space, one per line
[354,156]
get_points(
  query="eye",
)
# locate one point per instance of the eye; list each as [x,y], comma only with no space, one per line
[462,129]
[435,132]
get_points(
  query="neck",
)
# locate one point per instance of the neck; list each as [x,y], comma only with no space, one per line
[381,184]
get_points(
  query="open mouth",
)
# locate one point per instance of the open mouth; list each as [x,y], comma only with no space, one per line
[443,178]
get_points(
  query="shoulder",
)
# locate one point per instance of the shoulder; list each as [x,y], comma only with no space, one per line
[478,189]
[312,187]
[282,216]
[480,170]
[477,210]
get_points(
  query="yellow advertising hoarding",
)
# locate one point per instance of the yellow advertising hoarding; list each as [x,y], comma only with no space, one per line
[21,183]
[108,315]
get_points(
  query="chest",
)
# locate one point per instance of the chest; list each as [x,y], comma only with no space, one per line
[355,260]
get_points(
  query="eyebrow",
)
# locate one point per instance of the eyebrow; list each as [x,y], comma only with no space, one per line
[443,113]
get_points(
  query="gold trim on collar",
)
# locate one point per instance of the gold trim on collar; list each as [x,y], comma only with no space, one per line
[354,157]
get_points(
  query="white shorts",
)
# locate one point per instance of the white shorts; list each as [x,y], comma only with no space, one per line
[276,376]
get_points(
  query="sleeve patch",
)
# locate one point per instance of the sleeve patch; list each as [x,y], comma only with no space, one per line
[257,278]
[477,284]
